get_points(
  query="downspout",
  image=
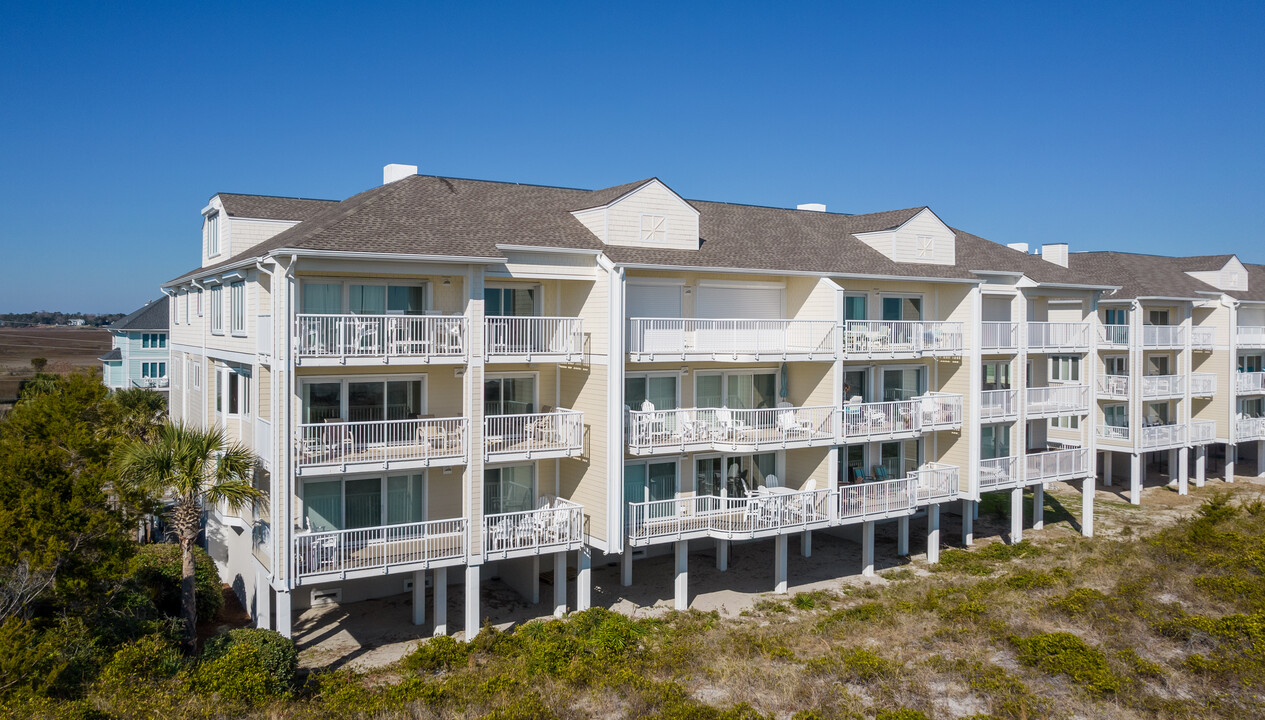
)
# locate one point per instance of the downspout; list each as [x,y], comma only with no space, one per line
[614,406]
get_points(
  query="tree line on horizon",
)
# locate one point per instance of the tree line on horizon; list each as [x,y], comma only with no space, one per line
[45,317]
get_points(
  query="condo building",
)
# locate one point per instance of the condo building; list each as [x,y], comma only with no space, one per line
[448,380]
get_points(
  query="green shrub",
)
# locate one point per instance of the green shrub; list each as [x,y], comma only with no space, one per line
[440,653]
[901,714]
[1031,580]
[1080,601]
[238,675]
[984,560]
[1063,653]
[276,653]
[1007,695]
[527,706]
[1139,665]
[150,658]
[157,567]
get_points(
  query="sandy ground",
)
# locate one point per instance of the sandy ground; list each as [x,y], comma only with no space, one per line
[378,632]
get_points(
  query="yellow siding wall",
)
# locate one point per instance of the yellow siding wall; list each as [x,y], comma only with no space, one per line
[584,479]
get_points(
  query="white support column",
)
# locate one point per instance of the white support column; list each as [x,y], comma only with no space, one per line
[867,548]
[535,580]
[1087,507]
[1172,467]
[1260,458]
[722,555]
[1038,506]
[968,522]
[584,579]
[1016,515]
[441,601]
[472,602]
[560,584]
[806,543]
[284,620]
[625,567]
[1135,478]
[419,597]
[1106,467]
[1183,462]
[779,564]
[682,596]
[902,536]
[263,602]
[933,534]
[1231,454]
[1201,465]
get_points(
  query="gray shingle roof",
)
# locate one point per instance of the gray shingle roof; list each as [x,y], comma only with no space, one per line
[427,215]
[272,207]
[151,316]
[1140,275]
[114,354]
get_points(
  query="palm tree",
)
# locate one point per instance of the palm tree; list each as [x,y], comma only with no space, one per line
[194,468]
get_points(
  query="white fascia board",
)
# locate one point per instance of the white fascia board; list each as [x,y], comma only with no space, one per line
[740,284]
[901,278]
[546,249]
[1165,298]
[705,269]
[408,257]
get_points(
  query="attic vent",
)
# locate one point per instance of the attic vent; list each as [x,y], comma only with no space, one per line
[926,246]
[654,228]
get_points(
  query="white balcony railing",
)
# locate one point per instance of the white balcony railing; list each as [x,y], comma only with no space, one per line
[1114,335]
[428,337]
[1203,432]
[546,529]
[1118,433]
[901,337]
[1164,386]
[666,338]
[998,404]
[1249,429]
[263,336]
[527,435]
[1203,384]
[730,429]
[999,472]
[152,383]
[876,500]
[940,411]
[1058,335]
[881,419]
[935,482]
[1159,436]
[1250,336]
[339,552]
[1163,336]
[1071,464]
[533,337]
[1116,386]
[769,511]
[381,442]
[1203,338]
[1058,400]
[1249,383]
[999,336]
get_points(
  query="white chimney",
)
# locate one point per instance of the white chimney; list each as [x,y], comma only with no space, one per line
[396,171]
[812,207]
[1055,253]
[1021,247]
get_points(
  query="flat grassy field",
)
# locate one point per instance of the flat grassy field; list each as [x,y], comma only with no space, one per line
[65,348]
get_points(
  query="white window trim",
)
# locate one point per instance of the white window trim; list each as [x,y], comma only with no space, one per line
[214,248]
[724,374]
[217,303]
[236,305]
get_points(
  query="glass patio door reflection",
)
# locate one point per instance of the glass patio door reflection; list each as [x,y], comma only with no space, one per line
[509,395]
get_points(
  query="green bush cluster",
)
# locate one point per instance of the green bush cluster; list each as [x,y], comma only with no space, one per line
[901,714]
[158,568]
[1062,653]
[276,654]
[983,561]
[436,654]
[1007,696]
[1081,601]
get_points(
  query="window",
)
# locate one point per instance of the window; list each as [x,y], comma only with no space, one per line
[213,234]
[1250,363]
[1067,422]
[154,340]
[1157,365]
[199,302]
[902,383]
[1116,316]
[649,481]
[926,246]
[362,399]
[347,504]
[738,390]
[996,376]
[1065,368]
[854,307]
[660,390]
[1158,317]
[508,489]
[513,395]
[1116,415]
[153,370]
[217,310]
[195,375]
[237,306]
[856,387]
[509,301]
[902,308]
[852,464]
[898,459]
[745,473]
[1117,365]
[654,228]
[994,441]
[1252,407]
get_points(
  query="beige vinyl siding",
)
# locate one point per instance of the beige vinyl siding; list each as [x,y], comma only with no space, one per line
[595,220]
[583,479]
[902,244]
[811,299]
[807,463]
[624,219]
[952,447]
[265,392]
[241,234]
[443,493]
[1219,407]
[810,384]
[590,301]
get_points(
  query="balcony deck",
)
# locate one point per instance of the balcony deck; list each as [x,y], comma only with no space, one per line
[533,436]
[373,552]
[900,419]
[1156,387]
[1203,338]
[999,405]
[1113,336]
[699,429]
[1055,465]
[725,340]
[341,447]
[1250,336]
[864,502]
[1163,337]
[895,339]
[533,339]
[1203,432]
[331,340]
[775,511]
[1057,401]
[558,527]
[1249,429]
[1249,383]
[1055,337]
[1113,386]
[999,337]
[1154,437]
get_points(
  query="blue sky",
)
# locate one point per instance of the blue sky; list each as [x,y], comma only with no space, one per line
[1109,126]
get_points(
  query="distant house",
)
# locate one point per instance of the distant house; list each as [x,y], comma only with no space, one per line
[140,356]
[75,322]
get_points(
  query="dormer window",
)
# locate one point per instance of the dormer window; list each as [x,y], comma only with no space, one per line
[213,234]
[926,246]
[654,228]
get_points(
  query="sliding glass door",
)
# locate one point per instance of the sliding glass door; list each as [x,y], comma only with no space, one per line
[353,503]
[508,489]
[514,395]
[363,400]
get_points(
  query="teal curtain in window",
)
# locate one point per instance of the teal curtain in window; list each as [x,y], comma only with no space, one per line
[364,503]
[323,505]
[854,308]
[407,300]
[405,496]
[707,392]
[634,483]
[367,299]
[322,298]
